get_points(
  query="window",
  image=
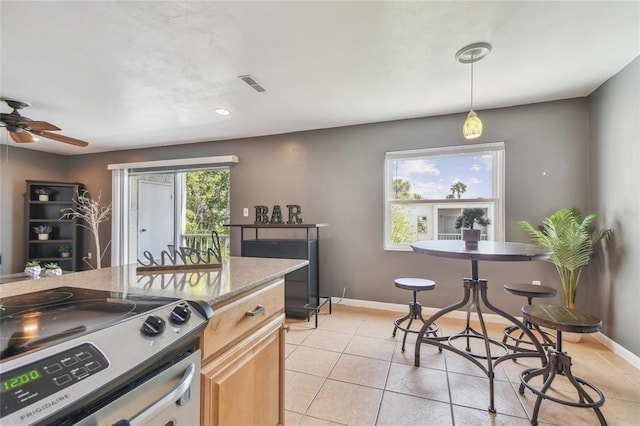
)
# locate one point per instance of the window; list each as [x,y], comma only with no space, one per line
[180,181]
[425,191]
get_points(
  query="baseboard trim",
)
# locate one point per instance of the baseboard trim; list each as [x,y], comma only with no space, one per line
[618,349]
[614,347]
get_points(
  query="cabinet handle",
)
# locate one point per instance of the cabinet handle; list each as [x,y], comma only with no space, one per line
[259,310]
[287,328]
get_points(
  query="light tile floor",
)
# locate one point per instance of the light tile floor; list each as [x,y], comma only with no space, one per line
[351,371]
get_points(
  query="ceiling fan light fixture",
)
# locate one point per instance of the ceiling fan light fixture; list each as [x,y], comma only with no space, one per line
[472,127]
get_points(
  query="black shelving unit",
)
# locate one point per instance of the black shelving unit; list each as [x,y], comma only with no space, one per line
[65,230]
[302,287]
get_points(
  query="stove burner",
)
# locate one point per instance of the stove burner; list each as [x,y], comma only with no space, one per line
[37,299]
[34,320]
[38,326]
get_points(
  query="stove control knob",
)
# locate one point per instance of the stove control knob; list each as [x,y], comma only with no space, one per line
[153,326]
[180,314]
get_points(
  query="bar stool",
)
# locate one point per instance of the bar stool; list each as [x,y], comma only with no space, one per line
[529,291]
[561,319]
[415,308]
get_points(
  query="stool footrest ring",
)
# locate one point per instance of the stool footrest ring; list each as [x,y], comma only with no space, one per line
[594,404]
[433,329]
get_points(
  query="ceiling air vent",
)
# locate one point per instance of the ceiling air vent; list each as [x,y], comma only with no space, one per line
[251,81]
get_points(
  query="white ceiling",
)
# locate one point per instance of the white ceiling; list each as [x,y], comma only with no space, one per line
[148,73]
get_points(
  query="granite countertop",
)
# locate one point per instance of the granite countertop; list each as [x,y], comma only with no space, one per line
[237,276]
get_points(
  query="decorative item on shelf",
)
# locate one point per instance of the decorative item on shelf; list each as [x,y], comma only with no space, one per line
[472,127]
[65,213]
[64,250]
[43,193]
[43,231]
[573,243]
[32,269]
[469,218]
[52,269]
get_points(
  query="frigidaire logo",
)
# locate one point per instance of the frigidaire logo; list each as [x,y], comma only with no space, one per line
[44,407]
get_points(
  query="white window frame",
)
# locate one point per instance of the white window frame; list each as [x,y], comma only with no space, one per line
[496,230]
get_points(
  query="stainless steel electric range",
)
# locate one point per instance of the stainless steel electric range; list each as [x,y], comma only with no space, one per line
[92,357]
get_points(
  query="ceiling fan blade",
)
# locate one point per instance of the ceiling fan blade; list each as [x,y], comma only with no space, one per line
[22,137]
[61,138]
[38,125]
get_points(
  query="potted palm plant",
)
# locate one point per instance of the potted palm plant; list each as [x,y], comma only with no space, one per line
[467,220]
[573,243]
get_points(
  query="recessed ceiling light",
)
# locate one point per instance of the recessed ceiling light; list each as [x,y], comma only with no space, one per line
[222,111]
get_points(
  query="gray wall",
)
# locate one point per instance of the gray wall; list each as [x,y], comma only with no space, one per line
[612,291]
[16,166]
[336,175]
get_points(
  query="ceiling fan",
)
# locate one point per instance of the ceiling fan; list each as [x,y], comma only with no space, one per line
[21,128]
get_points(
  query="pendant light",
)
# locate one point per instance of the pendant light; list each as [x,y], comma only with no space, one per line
[472,127]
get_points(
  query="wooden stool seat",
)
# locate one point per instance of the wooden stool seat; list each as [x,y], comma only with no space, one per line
[415,308]
[561,319]
[530,291]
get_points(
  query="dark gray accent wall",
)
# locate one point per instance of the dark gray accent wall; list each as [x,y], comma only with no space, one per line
[612,290]
[336,175]
[16,166]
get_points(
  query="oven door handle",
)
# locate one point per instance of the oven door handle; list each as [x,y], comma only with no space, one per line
[160,404]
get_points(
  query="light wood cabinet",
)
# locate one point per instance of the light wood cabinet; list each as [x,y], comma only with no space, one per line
[242,375]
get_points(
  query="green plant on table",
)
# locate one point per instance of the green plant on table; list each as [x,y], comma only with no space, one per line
[573,243]
[470,217]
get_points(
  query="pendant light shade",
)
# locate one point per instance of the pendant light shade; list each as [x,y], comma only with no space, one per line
[472,127]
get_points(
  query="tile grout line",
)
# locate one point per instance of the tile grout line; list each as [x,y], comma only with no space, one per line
[326,378]
[384,386]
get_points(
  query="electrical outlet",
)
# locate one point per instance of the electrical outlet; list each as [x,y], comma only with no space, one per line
[89,255]
[245,212]
[535,282]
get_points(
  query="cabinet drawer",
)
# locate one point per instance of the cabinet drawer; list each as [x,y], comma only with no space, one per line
[230,322]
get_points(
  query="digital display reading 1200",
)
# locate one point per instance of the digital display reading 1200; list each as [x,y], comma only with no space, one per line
[18,381]
[37,380]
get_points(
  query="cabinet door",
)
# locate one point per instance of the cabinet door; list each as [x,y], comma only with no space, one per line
[245,385]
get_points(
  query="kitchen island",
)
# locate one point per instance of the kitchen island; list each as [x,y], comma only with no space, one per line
[242,374]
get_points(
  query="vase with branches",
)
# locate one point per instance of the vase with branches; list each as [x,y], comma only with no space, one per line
[573,242]
[91,212]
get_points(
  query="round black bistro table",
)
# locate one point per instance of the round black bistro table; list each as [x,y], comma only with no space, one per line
[475,290]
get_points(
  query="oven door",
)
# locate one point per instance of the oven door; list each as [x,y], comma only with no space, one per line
[169,398]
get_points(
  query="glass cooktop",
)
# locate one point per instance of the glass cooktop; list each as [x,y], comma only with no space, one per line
[35,320]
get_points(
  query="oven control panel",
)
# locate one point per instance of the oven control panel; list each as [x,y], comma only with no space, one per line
[36,381]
